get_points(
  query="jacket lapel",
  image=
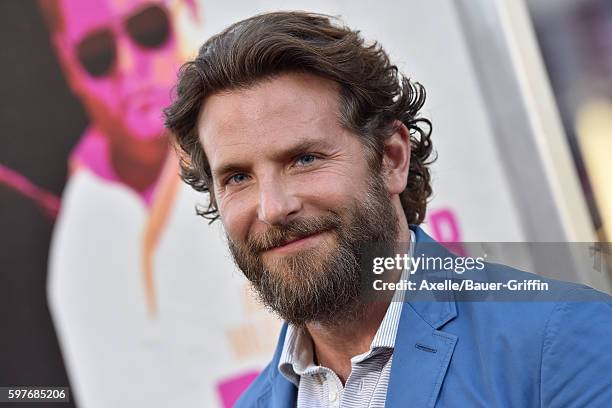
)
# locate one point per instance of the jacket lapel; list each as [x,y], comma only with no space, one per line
[422,352]
[283,394]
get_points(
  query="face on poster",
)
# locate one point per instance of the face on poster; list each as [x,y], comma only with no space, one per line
[120,57]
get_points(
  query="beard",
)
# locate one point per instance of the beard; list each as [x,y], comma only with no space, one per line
[321,284]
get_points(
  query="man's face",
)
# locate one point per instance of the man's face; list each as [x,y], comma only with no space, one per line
[295,194]
[121,58]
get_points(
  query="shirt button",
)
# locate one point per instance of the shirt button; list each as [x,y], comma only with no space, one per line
[333,396]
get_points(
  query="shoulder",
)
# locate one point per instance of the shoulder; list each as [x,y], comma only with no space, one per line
[564,334]
[577,350]
[534,318]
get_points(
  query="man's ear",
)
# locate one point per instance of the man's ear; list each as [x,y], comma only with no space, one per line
[396,159]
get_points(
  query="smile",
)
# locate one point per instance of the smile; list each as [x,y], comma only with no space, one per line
[297,244]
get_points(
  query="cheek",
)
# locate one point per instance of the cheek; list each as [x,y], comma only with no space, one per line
[328,191]
[99,94]
[165,64]
[238,213]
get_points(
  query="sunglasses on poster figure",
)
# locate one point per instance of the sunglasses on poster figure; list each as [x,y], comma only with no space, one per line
[149,29]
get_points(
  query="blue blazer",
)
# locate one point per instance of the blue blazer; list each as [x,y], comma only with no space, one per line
[457,353]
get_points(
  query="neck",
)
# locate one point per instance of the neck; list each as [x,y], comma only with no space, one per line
[137,174]
[335,344]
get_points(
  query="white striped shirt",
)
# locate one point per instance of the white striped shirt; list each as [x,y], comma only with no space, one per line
[366,386]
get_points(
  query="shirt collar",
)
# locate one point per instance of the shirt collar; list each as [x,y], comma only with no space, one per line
[297,354]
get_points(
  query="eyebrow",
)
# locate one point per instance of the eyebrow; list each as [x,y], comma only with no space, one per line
[298,148]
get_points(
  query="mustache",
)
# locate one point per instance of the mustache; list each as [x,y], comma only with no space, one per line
[279,235]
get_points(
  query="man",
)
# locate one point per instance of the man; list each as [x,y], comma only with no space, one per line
[120,59]
[314,154]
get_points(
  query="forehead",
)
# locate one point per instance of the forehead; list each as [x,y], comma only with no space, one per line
[81,16]
[274,112]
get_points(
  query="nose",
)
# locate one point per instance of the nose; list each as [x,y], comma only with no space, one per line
[125,55]
[277,205]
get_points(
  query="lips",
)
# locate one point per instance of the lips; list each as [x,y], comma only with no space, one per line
[279,237]
[145,98]
[293,241]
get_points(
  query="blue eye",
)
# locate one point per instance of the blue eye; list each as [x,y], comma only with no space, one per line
[306,160]
[237,179]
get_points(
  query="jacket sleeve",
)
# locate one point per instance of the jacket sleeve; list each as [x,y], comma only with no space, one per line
[576,367]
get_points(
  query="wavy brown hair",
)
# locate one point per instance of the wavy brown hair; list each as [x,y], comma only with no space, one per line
[373,94]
